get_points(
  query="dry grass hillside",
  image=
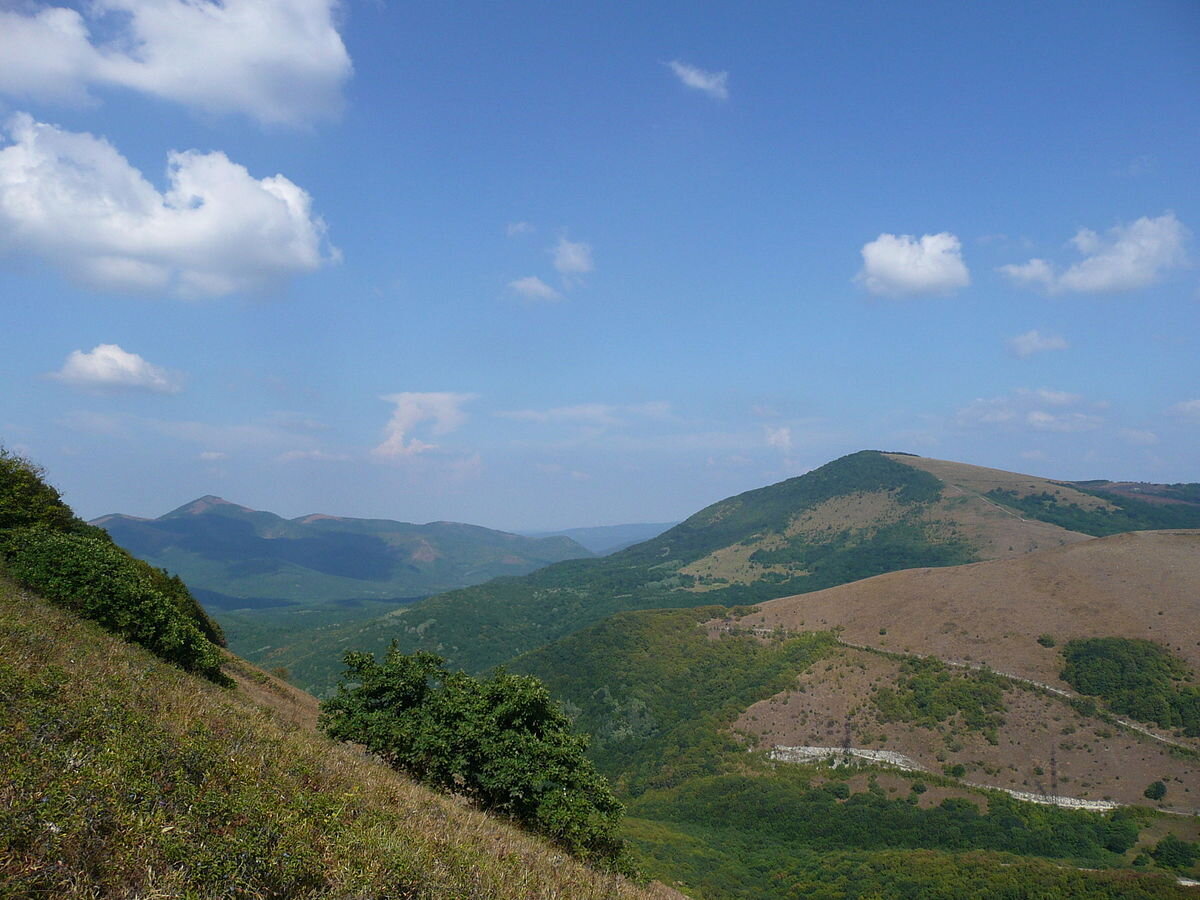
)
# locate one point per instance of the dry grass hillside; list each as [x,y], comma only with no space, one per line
[121,776]
[991,615]
[1143,585]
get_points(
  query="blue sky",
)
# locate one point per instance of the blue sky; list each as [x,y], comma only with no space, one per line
[538,265]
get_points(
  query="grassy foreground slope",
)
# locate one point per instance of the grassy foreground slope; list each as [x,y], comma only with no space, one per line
[121,775]
[858,516]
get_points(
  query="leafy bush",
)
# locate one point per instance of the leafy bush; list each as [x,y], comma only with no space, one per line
[1172,853]
[1137,678]
[1047,640]
[929,693]
[98,580]
[1156,790]
[501,741]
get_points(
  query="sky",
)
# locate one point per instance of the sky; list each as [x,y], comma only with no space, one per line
[537,266]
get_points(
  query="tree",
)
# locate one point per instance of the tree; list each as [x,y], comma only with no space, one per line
[501,741]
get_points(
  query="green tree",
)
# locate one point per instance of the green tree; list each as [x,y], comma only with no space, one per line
[501,741]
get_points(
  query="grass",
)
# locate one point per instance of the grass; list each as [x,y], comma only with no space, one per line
[123,776]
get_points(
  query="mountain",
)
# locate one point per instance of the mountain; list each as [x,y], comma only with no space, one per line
[935,702]
[268,579]
[858,516]
[605,539]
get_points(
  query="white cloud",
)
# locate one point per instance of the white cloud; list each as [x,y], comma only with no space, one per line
[213,456]
[715,84]
[442,409]
[596,415]
[1127,258]
[311,455]
[901,265]
[516,229]
[780,438]
[533,288]
[71,198]
[279,61]
[572,258]
[1031,342]
[108,367]
[1040,409]
[1139,437]
[1188,409]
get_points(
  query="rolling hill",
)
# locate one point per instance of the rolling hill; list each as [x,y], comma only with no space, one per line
[270,580]
[859,516]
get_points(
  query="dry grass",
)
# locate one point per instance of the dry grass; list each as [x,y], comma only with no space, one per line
[121,776]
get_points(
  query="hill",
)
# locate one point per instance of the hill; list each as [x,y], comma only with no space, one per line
[123,776]
[269,580]
[605,539]
[916,698]
[856,517]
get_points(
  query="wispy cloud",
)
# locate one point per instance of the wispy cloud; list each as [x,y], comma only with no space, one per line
[597,415]
[533,288]
[278,61]
[1127,258]
[1188,409]
[572,257]
[902,265]
[107,367]
[715,84]
[516,229]
[442,410]
[1040,409]
[1031,342]
[72,199]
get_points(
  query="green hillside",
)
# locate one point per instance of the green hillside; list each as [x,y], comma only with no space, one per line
[660,695]
[857,516]
[272,581]
[174,769]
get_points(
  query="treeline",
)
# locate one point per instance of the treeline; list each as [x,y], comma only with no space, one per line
[1129,515]
[45,547]
[1136,678]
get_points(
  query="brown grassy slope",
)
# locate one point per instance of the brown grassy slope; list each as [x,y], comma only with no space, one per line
[1143,584]
[1043,746]
[121,776]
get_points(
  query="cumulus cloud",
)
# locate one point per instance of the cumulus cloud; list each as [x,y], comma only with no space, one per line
[108,367]
[1040,409]
[1127,258]
[572,258]
[1031,342]
[279,61]
[901,265]
[442,409]
[715,84]
[533,288]
[71,198]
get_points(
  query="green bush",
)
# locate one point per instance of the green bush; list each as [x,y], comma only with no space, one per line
[501,741]
[1172,853]
[1137,678]
[1155,791]
[94,578]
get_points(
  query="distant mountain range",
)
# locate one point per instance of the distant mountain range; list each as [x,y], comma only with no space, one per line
[268,579]
[858,516]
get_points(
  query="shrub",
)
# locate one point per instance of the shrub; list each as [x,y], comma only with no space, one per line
[501,741]
[1172,853]
[1155,791]
[94,578]
[1046,640]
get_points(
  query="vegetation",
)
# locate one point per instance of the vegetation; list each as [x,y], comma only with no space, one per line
[1156,790]
[45,547]
[1137,678]
[1172,853]
[1129,514]
[483,626]
[928,693]
[500,741]
[122,776]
